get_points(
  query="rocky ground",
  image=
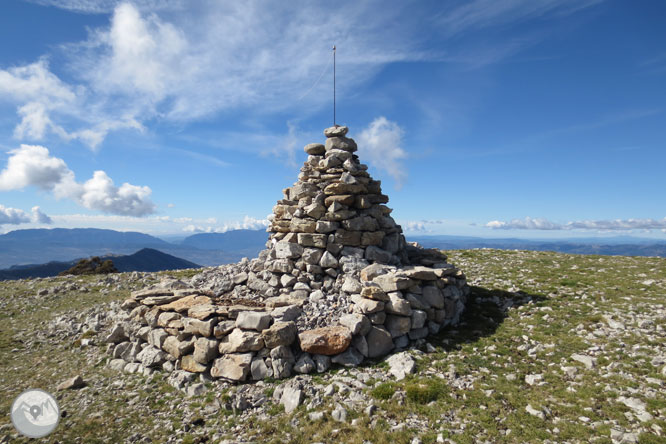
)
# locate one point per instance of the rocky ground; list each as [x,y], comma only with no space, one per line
[553,348]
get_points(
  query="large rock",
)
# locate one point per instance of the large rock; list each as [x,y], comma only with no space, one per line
[304,364]
[420,273]
[312,255]
[340,143]
[205,350]
[177,348]
[283,361]
[280,333]
[419,318]
[328,261]
[298,225]
[336,131]
[351,285]
[234,366]
[157,337]
[291,398]
[397,305]
[151,357]
[366,306]
[376,254]
[314,149]
[401,365]
[374,292]
[71,383]
[166,318]
[197,327]
[357,323]
[288,250]
[433,296]
[372,271]
[398,325]
[312,240]
[253,320]
[201,311]
[223,328]
[241,341]
[379,341]
[116,335]
[188,363]
[286,313]
[349,358]
[325,341]
[259,370]
[392,282]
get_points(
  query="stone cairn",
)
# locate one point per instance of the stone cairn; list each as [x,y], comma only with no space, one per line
[336,284]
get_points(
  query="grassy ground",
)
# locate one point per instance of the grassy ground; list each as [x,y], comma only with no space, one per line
[529,313]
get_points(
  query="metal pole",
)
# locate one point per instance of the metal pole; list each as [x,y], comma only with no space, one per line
[334,86]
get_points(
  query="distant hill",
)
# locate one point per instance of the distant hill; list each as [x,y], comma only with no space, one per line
[146,259]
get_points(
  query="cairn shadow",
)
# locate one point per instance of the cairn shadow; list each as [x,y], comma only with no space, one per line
[485,311]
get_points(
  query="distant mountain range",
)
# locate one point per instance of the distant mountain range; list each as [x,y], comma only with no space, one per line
[146,259]
[615,246]
[41,246]
[38,246]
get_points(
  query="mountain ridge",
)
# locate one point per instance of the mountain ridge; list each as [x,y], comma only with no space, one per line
[40,246]
[146,259]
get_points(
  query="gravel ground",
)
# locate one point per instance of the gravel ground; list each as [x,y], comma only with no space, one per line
[552,348]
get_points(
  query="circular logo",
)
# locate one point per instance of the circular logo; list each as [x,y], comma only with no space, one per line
[35,413]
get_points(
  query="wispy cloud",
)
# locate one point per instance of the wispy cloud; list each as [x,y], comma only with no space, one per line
[480,14]
[655,64]
[33,165]
[529,223]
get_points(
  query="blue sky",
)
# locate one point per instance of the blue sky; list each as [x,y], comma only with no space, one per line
[491,118]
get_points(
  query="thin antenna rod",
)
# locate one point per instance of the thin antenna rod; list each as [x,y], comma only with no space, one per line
[334,86]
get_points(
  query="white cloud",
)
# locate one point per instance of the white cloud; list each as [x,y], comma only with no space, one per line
[415,226]
[14,216]
[380,144]
[524,224]
[248,223]
[32,165]
[99,193]
[38,217]
[601,225]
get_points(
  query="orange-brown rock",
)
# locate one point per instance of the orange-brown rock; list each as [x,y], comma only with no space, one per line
[325,340]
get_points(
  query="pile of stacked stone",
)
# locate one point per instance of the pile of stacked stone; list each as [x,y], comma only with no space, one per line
[336,284]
